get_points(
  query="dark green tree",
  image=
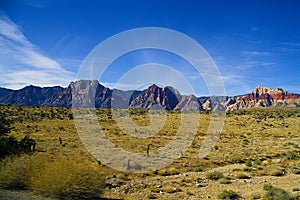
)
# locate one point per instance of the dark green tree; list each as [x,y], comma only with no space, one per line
[4,124]
[9,144]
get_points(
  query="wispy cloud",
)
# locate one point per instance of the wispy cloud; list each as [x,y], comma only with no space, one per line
[43,78]
[290,47]
[256,53]
[39,3]
[235,84]
[293,44]
[22,63]
[252,64]
[243,77]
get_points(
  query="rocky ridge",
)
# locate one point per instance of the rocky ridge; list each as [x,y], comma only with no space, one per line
[154,97]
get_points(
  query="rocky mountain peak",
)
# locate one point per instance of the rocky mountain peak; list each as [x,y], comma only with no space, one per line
[263,90]
[166,97]
[153,88]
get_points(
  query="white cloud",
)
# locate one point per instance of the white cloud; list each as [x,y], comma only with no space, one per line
[12,32]
[122,86]
[257,53]
[33,58]
[22,63]
[43,78]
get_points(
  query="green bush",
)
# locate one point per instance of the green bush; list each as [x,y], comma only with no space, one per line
[9,144]
[225,181]
[277,172]
[215,175]
[291,155]
[248,163]
[198,169]
[15,172]
[257,162]
[60,178]
[229,194]
[151,196]
[237,158]
[5,124]
[65,179]
[274,193]
[242,176]
[169,172]
[256,196]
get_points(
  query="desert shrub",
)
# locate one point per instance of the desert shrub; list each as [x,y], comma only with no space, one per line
[229,194]
[15,172]
[198,169]
[256,196]
[195,144]
[65,179]
[277,172]
[291,155]
[247,169]
[5,124]
[257,162]
[121,176]
[169,172]
[9,144]
[224,181]
[237,158]
[151,196]
[172,190]
[296,170]
[248,163]
[215,175]
[60,178]
[274,193]
[242,176]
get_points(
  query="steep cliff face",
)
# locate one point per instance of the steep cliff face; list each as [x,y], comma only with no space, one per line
[188,103]
[84,90]
[166,97]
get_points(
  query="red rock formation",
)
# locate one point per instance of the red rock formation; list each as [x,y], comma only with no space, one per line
[265,97]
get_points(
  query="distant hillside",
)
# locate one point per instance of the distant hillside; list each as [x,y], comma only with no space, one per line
[153,97]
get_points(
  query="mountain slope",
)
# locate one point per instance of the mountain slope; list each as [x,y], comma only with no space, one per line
[30,95]
[154,97]
[4,91]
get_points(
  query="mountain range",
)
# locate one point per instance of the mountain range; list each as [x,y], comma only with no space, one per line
[153,97]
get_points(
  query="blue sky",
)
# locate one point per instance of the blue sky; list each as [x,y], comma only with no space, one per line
[252,42]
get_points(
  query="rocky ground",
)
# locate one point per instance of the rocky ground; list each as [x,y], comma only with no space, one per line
[196,185]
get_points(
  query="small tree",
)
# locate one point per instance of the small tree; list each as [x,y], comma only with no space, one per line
[4,125]
[9,144]
[276,193]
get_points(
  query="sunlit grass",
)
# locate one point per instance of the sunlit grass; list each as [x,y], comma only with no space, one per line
[269,138]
